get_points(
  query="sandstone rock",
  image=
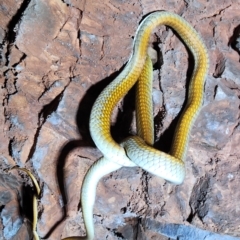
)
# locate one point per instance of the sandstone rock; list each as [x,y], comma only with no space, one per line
[12,224]
[56,57]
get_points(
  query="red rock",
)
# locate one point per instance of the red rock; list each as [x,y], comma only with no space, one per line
[57,56]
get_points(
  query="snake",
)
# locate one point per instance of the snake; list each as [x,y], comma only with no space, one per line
[36,195]
[138,150]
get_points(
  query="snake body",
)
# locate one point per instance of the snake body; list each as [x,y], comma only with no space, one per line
[137,150]
[34,200]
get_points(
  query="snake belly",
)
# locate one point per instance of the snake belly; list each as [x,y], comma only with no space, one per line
[137,150]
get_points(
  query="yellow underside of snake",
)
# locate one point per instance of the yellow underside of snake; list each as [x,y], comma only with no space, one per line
[138,150]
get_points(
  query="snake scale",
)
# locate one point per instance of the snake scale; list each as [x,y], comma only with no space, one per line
[138,150]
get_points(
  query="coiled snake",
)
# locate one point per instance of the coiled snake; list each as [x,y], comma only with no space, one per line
[137,150]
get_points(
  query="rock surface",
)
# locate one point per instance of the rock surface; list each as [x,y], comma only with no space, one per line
[56,57]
